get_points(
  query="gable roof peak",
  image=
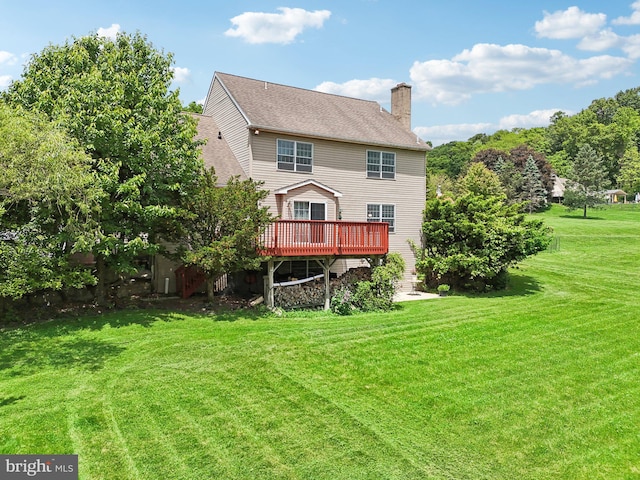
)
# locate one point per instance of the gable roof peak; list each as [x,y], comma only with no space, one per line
[304,183]
[298,111]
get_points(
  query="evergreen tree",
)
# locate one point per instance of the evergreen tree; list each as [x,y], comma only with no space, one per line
[587,181]
[533,191]
[510,178]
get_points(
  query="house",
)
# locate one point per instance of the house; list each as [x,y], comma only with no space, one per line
[616,196]
[611,196]
[559,186]
[338,169]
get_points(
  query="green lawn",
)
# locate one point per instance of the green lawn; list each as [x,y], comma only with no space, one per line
[541,381]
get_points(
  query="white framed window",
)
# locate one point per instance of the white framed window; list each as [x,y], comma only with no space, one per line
[381,212]
[308,232]
[295,156]
[303,210]
[381,164]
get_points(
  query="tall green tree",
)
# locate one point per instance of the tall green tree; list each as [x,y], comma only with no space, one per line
[629,178]
[193,107]
[607,126]
[490,156]
[629,98]
[518,156]
[587,181]
[506,140]
[221,233]
[451,158]
[534,193]
[49,199]
[482,182]
[605,109]
[470,241]
[510,178]
[113,97]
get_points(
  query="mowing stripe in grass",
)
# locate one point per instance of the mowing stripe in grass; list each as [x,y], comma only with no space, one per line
[538,381]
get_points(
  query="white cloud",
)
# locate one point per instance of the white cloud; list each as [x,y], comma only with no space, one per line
[441,134]
[490,68]
[537,118]
[7,58]
[110,32]
[634,19]
[283,28]
[180,74]
[632,46]
[603,40]
[5,81]
[378,89]
[570,23]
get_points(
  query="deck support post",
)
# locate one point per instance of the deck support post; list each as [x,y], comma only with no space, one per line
[327,285]
[326,264]
[269,289]
[271,270]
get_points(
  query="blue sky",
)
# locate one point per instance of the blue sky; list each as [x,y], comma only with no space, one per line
[475,66]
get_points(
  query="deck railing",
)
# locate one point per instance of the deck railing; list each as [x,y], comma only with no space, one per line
[293,238]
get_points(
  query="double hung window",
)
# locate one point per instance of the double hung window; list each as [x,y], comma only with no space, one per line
[295,156]
[382,213]
[381,164]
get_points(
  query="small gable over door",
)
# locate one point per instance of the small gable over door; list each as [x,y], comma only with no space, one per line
[308,200]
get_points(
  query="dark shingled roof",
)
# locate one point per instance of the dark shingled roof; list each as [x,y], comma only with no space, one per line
[280,108]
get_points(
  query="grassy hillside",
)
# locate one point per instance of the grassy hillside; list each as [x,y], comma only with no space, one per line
[540,381]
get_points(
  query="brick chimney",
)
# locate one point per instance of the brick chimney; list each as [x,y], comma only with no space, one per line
[401,104]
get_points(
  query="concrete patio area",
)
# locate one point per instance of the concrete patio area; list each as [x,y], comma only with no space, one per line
[407,296]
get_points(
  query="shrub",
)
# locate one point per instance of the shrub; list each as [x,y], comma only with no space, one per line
[372,295]
[470,242]
[365,298]
[341,302]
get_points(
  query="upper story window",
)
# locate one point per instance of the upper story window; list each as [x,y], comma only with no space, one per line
[295,156]
[381,164]
[382,213]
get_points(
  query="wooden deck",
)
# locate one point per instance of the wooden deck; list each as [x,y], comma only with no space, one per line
[286,240]
[318,238]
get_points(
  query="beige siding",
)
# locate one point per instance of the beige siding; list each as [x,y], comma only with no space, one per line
[312,194]
[231,122]
[163,269]
[342,167]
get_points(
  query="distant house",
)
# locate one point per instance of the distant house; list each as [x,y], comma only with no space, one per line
[611,196]
[346,177]
[616,196]
[559,185]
